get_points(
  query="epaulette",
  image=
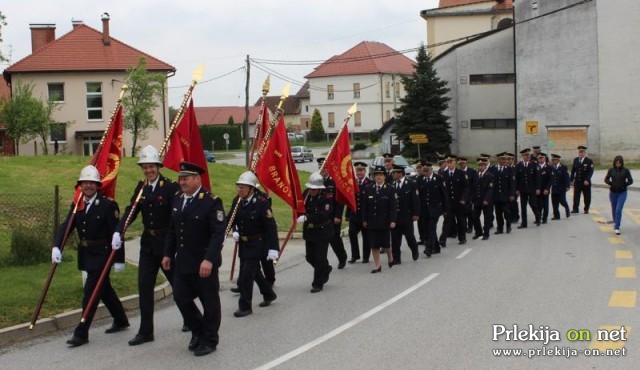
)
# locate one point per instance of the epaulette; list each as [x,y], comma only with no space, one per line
[213,196]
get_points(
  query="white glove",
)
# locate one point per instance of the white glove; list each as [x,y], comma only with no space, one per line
[236,236]
[56,255]
[302,218]
[118,267]
[273,255]
[116,241]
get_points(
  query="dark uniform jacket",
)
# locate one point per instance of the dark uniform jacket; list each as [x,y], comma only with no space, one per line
[433,194]
[95,229]
[155,207]
[581,172]
[357,216]
[545,176]
[256,225]
[338,208]
[483,189]
[457,186]
[380,208]
[560,180]
[472,178]
[527,178]
[408,201]
[504,184]
[320,212]
[195,233]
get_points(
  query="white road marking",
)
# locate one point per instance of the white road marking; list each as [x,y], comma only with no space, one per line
[466,251]
[345,326]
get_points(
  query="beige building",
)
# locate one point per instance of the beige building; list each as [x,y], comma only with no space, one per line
[82,72]
[460,19]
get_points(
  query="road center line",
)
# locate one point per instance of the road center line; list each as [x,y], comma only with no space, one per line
[466,251]
[344,327]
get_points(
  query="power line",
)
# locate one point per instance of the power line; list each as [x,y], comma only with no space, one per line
[211,79]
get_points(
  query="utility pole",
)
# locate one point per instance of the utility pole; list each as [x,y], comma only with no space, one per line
[246,113]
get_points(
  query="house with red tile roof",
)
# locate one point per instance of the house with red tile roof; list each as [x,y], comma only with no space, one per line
[219,116]
[295,107]
[368,74]
[83,72]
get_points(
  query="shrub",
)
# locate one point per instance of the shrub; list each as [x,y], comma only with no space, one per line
[29,246]
[359,146]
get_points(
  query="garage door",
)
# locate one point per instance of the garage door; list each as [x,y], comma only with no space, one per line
[565,141]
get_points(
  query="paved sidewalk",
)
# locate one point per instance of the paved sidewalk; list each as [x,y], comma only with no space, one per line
[598,179]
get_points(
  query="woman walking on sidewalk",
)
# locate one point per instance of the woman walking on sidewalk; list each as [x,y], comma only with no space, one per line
[618,178]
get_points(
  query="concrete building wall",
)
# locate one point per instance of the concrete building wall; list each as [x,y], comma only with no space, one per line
[74,109]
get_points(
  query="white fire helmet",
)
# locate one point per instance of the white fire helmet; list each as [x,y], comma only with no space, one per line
[248,178]
[316,181]
[149,154]
[90,173]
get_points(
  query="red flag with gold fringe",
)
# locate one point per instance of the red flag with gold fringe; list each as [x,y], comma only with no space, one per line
[338,163]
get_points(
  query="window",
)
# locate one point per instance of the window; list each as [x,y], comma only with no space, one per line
[330,92]
[387,115]
[56,92]
[306,108]
[387,89]
[90,144]
[357,119]
[493,123]
[58,132]
[332,119]
[356,90]
[94,100]
[499,78]
[397,89]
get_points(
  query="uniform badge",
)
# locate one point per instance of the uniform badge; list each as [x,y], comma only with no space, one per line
[161,183]
[490,184]
[254,200]
[327,206]
[200,196]
[220,215]
[116,213]
[97,202]
[269,214]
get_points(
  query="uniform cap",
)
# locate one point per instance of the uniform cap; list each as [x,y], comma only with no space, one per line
[248,178]
[555,156]
[451,157]
[379,169]
[536,147]
[487,156]
[582,147]
[462,159]
[90,173]
[360,165]
[190,169]
[397,168]
[525,151]
[387,155]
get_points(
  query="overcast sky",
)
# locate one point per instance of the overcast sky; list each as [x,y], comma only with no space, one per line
[219,34]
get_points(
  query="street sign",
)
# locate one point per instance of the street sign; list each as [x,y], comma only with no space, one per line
[532,127]
[417,136]
[420,141]
[225,136]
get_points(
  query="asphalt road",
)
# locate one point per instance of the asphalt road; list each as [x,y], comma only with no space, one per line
[239,160]
[436,313]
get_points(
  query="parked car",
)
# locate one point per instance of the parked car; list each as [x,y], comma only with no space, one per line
[209,156]
[294,136]
[301,154]
[397,159]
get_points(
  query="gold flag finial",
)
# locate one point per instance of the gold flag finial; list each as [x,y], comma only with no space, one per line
[353,109]
[198,73]
[266,86]
[285,94]
[123,89]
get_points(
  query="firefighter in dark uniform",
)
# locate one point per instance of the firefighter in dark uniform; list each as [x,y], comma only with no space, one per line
[482,198]
[256,232]
[388,165]
[317,229]
[472,175]
[503,193]
[535,153]
[527,187]
[515,214]
[355,218]
[419,179]
[433,201]
[560,185]
[155,206]
[95,221]
[581,173]
[336,242]
[545,186]
[408,213]
[380,210]
[194,244]
[457,185]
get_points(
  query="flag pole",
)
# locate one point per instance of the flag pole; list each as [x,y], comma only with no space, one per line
[67,230]
[352,110]
[265,90]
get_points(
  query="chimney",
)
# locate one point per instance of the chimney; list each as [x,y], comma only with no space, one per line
[76,23]
[41,35]
[106,39]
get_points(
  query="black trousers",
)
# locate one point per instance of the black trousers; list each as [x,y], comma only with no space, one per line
[543,205]
[430,230]
[250,272]
[186,287]
[355,228]
[107,295]
[503,214]
[337,245]
[581,189]
[148,267]
[469,212]
[455,218]
[269,270]
[556,200]
[486,211]
[515,214]
[397,233]
[423,223]
[316,255]
[531,199]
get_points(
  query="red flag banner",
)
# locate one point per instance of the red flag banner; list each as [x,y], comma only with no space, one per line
[338,163]
[107,159]
[262,127]
[277,171]
[186,146]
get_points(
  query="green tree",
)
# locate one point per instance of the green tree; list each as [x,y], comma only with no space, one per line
[316,131]
[423,107]
[173,112]
[3,22]
[230,121]
[144,91]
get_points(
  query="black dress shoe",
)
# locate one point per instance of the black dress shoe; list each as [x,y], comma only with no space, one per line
[267,302]
[342,264]
[140,338]
[242,313]
[575,211]
[498,232]
[508,229]
[77,341]
[353,260]
[203,349]
[235,289]
[537,223]
[476,237]
[522,226]
[316,289]
[194,343]
[116,327]
[486,237]
[365,261]
[544,221]
[568,214]
[185,328]
[443,245]
[415,254]
[555,218]
[586,211]
[375,271]
[461,242]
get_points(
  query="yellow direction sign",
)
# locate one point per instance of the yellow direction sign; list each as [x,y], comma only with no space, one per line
[417,136]
[420,141]
[532,127]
